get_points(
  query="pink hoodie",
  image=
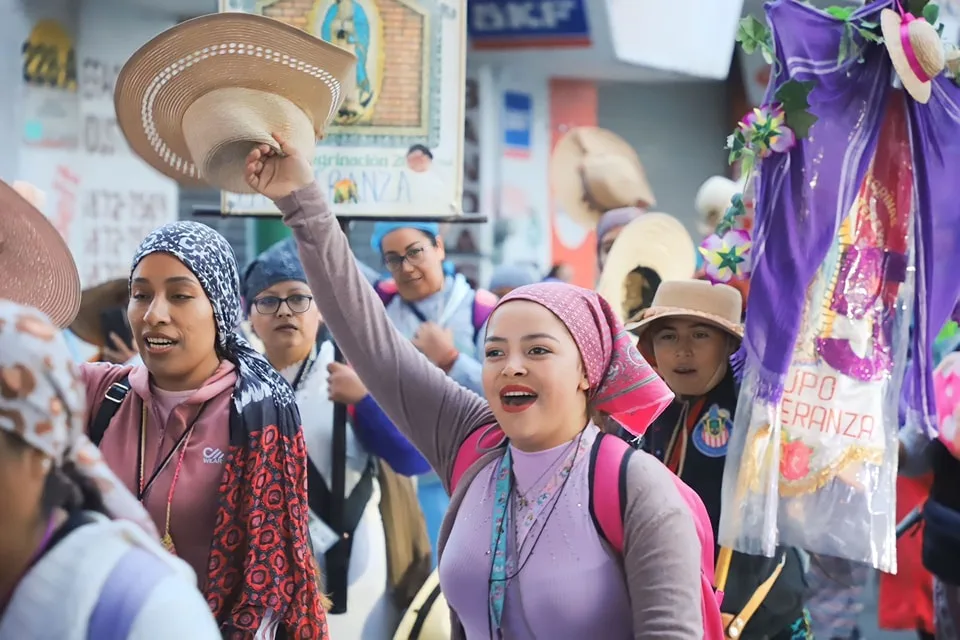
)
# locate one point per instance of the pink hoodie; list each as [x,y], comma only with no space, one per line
[196,495]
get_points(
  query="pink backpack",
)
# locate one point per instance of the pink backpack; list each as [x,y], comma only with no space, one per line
[609,458]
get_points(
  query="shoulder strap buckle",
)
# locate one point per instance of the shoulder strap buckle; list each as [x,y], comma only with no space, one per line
[117,392]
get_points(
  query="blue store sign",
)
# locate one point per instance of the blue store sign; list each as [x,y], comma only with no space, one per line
[517,124]
[527,23]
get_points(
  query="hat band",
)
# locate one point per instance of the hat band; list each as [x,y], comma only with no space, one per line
[908,51]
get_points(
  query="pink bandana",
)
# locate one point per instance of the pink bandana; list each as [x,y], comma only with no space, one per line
[622,384]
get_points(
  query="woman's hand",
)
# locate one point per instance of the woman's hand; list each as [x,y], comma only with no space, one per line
[344,385]
[277,175]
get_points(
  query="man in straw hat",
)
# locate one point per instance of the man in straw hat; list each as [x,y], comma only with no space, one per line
[688,334]
[593,171]
[653,248]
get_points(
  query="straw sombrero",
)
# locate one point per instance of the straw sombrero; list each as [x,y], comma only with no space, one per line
[88,325]
[428,616]
[592,171]
[713,200]
[716,304]
[654,242]
[36,267]
[194,101]
[915,50]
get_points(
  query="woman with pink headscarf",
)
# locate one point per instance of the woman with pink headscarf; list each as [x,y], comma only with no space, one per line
[520,555]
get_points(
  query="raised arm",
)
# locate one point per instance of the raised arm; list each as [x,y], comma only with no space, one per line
[430,409]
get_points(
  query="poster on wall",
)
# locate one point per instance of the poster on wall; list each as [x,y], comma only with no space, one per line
[50,100]
[395,148]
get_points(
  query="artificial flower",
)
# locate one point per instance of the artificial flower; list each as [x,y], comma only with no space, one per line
[726,256]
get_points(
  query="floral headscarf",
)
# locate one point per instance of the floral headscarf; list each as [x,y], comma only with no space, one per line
[42,402]
[622,383]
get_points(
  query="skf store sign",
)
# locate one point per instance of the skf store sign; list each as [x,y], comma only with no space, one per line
[504,24]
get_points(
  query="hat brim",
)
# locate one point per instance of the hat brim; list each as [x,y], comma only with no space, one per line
[566,179]
[657,241]
[88,325]
[167,75]
[890,23]
[37,266]
[639,327]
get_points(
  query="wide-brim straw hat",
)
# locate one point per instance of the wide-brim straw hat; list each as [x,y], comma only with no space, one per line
[594,170]
[88,325]
[656,241]
[36,266]
[915,49]
[195,100]
[717,304]
[713,200]
[428,612]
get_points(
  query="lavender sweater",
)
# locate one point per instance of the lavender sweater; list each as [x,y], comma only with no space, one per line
[656,591]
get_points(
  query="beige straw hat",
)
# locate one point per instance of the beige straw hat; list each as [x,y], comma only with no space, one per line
[88,325]
[36,267]
[915,50]
[592,171]
[713,200]
[195,100]
[716,304]
[655,241]
[428,616]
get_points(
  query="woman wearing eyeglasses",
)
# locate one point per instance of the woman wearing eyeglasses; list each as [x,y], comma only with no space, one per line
[439,312]
[282,314]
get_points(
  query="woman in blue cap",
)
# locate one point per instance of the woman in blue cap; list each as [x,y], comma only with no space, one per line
[439,312]
[280,306]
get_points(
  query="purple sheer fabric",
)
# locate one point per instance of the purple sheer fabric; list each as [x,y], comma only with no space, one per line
[804,195]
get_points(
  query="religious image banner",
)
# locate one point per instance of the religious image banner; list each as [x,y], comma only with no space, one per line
[395,148]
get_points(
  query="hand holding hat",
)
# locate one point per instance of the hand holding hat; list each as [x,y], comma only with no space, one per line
[277,175]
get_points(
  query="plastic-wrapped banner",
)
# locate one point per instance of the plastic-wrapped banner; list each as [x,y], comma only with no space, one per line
[816,468]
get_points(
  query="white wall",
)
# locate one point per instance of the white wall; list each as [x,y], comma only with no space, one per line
[99,196]
[679,131]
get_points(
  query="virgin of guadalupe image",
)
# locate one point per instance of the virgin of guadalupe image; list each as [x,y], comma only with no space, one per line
[347,24]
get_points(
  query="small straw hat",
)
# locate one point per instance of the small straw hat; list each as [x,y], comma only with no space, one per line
[594,170]
[716,304]
[655,241]
[36,267]
[915,50]
[197,98]
[713,200]
[88,325]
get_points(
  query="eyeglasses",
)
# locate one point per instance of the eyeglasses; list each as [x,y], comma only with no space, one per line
[269,305]
[413,256]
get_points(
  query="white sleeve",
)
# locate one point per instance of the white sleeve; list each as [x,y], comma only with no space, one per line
[193,618]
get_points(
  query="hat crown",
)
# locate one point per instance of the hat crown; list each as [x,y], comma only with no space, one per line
[613,181]
[927,47]
[702,297]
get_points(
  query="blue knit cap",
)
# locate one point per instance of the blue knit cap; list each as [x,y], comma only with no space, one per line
[278,263]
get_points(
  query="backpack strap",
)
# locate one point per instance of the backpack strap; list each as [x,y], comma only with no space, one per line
[109,406]
[130,583]
[473,448]
[483,303]
[386,289]
[609,458]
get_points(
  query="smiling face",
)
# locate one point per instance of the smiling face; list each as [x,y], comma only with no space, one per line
[533,376]
[287,336]
[690,355]
[173,323]
[416,262]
